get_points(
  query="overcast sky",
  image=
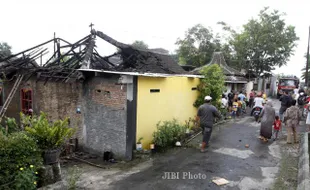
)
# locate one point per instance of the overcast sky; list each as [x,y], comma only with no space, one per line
[26,23]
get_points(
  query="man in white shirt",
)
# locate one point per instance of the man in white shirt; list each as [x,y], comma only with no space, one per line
[224,105]
[258,102]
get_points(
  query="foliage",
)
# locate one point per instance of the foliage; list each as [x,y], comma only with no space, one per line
[26,178]
[5,49]
[73,176]
[49,135]
[20,158]
[213,84]
[191,123]
[140,44]
[197,46]
[139,141]
[263,43]
[168,133]
[11,125]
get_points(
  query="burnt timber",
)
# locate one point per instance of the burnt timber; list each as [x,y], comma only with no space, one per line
[66,58]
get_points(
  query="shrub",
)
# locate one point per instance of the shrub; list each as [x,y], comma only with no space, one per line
[20,158]
[11,125]
[168,133]
[49,135]
[213,84]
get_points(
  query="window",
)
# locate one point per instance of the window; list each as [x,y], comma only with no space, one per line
[26,101]
[154,90]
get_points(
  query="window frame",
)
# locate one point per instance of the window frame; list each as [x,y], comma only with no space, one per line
[25,99]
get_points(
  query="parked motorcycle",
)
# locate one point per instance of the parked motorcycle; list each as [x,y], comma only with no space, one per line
[257,111]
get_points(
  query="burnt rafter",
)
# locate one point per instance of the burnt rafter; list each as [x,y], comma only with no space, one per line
[67,58]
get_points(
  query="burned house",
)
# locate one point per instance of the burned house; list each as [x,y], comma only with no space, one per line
[111,100]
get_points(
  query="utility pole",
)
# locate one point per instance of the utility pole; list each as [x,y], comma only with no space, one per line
[307,63]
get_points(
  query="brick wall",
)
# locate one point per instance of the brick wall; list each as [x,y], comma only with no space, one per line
[57,99]
[102,122]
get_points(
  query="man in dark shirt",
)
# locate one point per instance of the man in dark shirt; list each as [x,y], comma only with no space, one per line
[205,115]
[286,102]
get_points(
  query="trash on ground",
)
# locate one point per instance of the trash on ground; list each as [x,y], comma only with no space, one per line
[220,181]
[247,146]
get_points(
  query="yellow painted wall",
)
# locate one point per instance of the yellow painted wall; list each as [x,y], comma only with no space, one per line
[175,100]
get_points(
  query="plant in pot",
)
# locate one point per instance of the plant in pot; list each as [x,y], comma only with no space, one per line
[139,144]
[50,136]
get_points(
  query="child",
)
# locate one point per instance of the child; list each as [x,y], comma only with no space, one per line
[235,109]
[276,127]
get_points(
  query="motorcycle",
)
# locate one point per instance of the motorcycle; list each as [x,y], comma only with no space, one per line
[257,111]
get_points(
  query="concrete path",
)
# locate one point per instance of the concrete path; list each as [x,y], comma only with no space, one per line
[255,167]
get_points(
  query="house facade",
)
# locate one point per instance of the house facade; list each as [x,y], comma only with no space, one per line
[110,105]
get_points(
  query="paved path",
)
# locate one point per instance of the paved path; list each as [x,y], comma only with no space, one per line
[246,168]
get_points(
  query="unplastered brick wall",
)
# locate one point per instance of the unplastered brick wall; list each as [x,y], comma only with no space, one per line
[108,93]
[60,100]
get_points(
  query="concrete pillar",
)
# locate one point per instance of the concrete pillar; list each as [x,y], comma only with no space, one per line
[249,87]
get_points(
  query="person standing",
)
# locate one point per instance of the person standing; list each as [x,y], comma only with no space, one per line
[251,100]
[241,96]
[224,106]
[276,127]
[231,96]
[291,119]
[268,114]
[205,116]
[286,101]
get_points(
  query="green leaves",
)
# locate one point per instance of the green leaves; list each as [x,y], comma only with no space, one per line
[48,135]
[168,133]
[5,50]
[212,84]
[264,42]
[20,157]
[197,46]
[140,44]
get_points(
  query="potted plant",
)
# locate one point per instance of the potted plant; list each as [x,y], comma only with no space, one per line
[139,144]
[50,136]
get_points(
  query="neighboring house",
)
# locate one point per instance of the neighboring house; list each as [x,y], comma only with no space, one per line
[234,79]
[112,101]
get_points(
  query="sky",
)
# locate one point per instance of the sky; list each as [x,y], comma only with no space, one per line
[26,23]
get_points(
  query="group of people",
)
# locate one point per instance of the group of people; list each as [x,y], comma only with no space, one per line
[235,103]
[288,114]
[270,122]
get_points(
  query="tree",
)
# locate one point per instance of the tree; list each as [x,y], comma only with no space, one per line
[263,43]
[197,46]
[5,49]
[213,84]
[140,45]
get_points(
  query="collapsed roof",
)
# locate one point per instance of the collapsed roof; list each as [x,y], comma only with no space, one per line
[68,58]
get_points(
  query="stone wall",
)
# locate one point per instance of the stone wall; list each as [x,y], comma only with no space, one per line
[105,115]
